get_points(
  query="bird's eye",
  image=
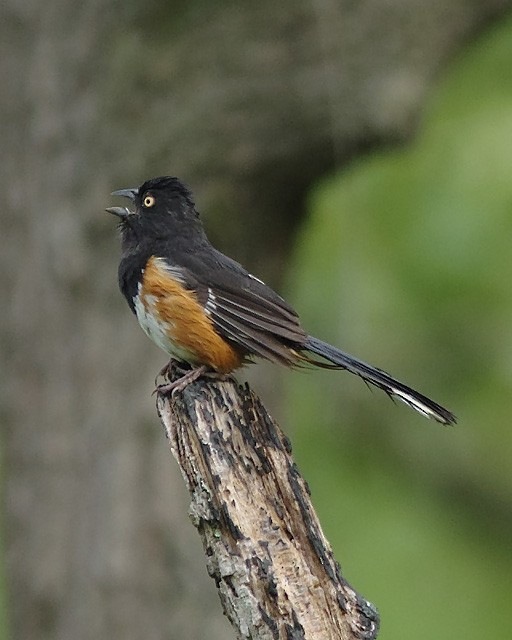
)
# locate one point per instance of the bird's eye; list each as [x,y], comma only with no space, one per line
[148,201]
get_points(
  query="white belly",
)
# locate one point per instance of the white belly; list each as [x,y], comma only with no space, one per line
[158,330]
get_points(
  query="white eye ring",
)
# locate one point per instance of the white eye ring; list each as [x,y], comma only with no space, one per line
[148,201]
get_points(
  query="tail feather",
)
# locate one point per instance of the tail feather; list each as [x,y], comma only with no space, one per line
[338,359]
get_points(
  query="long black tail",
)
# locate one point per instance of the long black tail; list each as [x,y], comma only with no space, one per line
[379,378]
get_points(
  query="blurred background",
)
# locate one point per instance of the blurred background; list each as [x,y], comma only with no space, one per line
[355,155]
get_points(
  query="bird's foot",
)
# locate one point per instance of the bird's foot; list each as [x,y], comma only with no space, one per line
[183,381]
[187,377]
[176,386]
[168,371]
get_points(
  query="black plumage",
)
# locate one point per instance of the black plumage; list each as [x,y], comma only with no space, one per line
[249,316]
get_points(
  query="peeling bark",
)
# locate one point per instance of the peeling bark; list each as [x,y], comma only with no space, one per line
[265,549]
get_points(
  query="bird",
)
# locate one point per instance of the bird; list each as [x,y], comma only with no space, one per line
[206,311]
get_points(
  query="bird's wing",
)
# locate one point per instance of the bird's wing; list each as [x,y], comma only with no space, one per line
[243,309]
[261,326]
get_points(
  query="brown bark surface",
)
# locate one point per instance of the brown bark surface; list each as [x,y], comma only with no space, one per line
[265,549]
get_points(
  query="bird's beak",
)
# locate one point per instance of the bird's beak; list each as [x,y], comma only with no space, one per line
[123,212]
[126,193]
[120,212]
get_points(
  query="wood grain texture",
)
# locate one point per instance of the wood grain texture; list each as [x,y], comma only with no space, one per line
[273,567]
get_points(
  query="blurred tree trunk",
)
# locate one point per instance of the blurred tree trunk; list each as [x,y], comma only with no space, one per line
[249,103]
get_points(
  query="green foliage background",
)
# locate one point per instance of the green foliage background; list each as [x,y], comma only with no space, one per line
[406,261]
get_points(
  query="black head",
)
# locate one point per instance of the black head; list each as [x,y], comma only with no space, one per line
[162,208]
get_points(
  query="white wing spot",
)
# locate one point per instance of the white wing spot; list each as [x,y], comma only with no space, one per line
[255,278]
[211,304]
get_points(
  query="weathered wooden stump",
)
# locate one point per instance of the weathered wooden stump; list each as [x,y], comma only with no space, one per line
[273,567]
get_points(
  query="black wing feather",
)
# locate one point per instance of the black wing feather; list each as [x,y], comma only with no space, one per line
[243,309]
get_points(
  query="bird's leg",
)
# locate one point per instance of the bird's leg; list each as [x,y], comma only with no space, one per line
[190,376]
[168,370]
[178,385]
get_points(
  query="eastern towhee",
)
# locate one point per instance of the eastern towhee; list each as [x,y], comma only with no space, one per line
[206,310]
